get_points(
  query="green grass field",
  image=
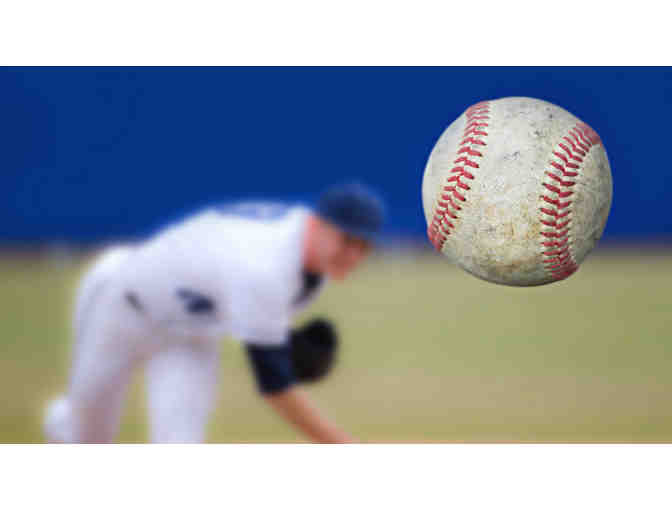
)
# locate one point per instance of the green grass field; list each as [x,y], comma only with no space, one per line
[429,354]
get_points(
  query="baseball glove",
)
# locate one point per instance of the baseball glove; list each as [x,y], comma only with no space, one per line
[314,348]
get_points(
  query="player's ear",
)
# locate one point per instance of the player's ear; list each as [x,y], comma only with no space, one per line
[324,232]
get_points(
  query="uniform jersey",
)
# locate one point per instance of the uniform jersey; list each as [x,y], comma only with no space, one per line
[235,270]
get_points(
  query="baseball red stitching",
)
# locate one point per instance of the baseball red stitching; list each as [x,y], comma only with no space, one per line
[447,205]
[556,213]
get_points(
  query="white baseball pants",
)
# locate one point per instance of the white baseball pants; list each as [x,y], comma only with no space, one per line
[112,340]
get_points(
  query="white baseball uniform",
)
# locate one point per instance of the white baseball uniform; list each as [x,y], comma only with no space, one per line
[165,304]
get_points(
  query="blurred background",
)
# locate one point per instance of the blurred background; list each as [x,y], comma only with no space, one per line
[92,156]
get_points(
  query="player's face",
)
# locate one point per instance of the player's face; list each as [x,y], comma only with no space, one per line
[343,253]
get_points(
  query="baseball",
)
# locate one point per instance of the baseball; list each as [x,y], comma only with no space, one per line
[517,191]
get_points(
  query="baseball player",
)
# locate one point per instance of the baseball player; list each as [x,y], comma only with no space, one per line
[242,270]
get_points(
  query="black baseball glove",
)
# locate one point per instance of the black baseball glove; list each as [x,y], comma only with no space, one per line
[313,349]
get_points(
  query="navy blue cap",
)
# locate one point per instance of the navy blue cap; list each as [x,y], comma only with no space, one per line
[354,209]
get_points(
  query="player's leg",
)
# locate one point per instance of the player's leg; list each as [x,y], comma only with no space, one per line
[90,410]
[104,359]
[181,387]
[104,356]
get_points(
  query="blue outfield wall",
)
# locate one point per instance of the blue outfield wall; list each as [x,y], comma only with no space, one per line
[91,154]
